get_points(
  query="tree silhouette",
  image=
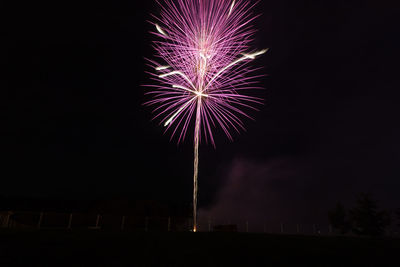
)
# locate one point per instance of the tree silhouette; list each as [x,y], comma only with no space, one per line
[366,219]
[338,218]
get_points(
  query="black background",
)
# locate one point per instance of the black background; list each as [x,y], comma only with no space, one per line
[73,124]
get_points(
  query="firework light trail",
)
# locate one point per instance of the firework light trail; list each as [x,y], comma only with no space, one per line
[203,47]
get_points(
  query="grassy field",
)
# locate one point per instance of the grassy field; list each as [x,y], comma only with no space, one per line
[96,248]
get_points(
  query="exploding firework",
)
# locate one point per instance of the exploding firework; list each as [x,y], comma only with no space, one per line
[201,69]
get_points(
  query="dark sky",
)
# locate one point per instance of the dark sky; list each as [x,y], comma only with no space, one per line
[73,124]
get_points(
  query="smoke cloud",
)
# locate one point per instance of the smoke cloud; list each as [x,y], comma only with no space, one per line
[266,193]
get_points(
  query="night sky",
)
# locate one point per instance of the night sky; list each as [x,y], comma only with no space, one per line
[73,124]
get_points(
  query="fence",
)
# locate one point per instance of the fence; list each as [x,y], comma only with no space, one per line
[52,220]
[112,222]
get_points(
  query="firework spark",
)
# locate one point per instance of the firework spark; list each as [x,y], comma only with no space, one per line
[204,49]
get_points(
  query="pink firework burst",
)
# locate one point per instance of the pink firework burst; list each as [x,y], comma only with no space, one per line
[203,52]
[202,70]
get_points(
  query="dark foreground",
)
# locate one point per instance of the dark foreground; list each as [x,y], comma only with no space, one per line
[95,248]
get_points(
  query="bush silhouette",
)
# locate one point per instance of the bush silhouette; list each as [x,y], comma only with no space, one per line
[366,219]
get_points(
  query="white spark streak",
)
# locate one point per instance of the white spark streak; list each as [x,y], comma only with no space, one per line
[162,67]
[255,54]
[197,93]
[230,10]
[160,30]
[245,56]
[177,73]
[177,113]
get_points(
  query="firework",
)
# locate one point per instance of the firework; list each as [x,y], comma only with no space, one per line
[201,70]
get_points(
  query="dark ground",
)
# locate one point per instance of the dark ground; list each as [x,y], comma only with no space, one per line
[93,248]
